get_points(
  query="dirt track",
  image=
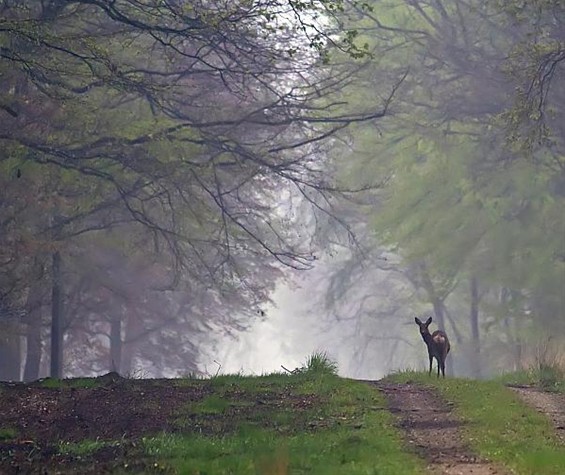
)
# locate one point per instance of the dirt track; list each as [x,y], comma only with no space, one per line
[550,404]
[432,431]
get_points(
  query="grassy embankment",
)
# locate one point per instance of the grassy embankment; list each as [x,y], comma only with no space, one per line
[500,427]
[320,424]
[317,423]
[548,377]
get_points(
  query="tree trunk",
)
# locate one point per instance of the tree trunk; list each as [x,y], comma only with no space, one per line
[33,322]
[116,343]
[438,313]
[56,319]
[475,335]
[10,352]
[511,327]
[34,350]
[129,347]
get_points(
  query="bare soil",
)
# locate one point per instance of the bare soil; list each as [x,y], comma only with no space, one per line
[432,430]
[114,410]
[550,404]
[121,412]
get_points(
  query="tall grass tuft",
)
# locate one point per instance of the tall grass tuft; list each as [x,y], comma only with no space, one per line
[545,368]
[320,363]
[549,366]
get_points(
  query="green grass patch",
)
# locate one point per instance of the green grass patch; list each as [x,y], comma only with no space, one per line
[319,363]
[85,447]
[547,377]
[214,404]
[310,422]
[8,433]
[54,383]
[499,426]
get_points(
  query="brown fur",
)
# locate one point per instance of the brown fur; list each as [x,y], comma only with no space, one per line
[437,343]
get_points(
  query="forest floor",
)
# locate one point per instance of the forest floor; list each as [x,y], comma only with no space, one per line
[105,425]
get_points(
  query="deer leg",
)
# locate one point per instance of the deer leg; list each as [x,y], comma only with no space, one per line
[438,366]
[442,368]
[431,362]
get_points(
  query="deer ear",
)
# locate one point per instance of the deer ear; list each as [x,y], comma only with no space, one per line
[417,320]
[428,321]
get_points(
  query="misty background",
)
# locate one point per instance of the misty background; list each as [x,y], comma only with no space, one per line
[204,187]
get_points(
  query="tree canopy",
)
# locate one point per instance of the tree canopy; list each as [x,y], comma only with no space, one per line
[178,137]
[472,161]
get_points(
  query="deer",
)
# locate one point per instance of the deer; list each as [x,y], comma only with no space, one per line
[437,343]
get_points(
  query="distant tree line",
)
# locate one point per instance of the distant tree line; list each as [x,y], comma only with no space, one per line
[472,159]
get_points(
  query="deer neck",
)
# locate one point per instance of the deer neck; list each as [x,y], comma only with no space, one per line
[427,337]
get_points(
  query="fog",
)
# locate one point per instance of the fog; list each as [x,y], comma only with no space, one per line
[284,338]
[298,324]
[232,186]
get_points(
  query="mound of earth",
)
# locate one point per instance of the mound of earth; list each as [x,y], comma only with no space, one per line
[113,409]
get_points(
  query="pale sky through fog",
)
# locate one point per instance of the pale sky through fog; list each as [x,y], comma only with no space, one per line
[293,330]
[284,337]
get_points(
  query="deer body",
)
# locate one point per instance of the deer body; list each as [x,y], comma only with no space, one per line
[437,343]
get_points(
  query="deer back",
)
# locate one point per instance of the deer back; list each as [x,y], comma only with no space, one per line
[439,344]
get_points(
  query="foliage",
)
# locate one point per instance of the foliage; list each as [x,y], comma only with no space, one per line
[151,146]
[535,61]
[453,183]
[464,176]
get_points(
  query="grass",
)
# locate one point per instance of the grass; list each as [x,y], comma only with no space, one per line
[547,370]
[77,383]
[312,422]
[309,422]
[544,376]
[499,426]
[214,404]
[319,363]
[341,439]
[8,433]
[85,447]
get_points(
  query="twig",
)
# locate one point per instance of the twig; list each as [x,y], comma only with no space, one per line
[294,371]
[219,368]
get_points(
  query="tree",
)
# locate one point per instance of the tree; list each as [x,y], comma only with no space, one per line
[536,62]
[183,127]
[450,188]
[470,194]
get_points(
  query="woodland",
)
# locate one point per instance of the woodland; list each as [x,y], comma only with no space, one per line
[166,164]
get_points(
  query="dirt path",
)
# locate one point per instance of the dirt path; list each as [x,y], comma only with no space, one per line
[550,404]
[432,431]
